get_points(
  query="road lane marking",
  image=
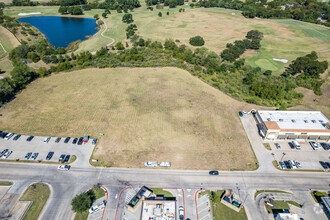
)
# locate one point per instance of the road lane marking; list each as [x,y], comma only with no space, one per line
[100,173]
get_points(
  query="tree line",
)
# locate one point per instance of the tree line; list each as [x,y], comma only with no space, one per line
[312,11]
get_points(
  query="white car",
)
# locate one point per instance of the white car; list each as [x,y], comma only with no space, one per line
[3,152]
[7,154]
[151,164]
[314,145]
[165,164]
[8,136]
[293,164]
[64,167]
[97,207]
[46,139]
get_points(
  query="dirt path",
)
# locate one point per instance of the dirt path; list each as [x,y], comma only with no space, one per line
[3,47]
[102,34]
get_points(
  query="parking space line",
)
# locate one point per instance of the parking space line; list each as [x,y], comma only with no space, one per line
[206,216]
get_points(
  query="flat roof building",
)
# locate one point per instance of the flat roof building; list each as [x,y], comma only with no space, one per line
[292,125]
[326,203]
[158,208]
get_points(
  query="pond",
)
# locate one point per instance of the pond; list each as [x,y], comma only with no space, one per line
[61,31]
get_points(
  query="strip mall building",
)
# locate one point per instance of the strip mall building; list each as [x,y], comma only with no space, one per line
[293,125]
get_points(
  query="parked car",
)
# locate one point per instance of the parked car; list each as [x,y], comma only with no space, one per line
[8,136]
[314,145]
[328,164]
[296,145]
[214,172]
[297,164]
[47,139]
[151,164]
[94,141]
[291,145]
[282,165]
[7,154]
[3,152]
[49,155]
[97,207]
[34,156]
[17,137]
[277,145]
[29,138]
[61,158]
[3,134]
[85,140]
[57,140]
[325,146]
[67,140]
[181,213]
[324,165]
[287,164]
[74,140]
[64,167]
[240,114]
[66,159]
[165,164]
[27,156]
[80,141]
[293,164]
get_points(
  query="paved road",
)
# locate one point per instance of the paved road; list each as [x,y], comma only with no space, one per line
[66,184]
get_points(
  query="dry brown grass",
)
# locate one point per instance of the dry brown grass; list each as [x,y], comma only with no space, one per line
[8,41]
[161,114]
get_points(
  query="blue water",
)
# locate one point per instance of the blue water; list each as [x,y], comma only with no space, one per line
[61,31]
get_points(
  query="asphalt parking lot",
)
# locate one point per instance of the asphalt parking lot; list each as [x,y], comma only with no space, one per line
[204,208]
[21,147]
[308,157]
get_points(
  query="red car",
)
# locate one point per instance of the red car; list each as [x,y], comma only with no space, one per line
[85,140]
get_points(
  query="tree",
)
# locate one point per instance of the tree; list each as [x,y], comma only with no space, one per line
[254,34]
[167,13]
[76,11]
[197,41]
[104,15]
[81,202]
[119,46]
[128,18]
[21,76]
[63,10]
[160,14]
[96,16]
[6,90]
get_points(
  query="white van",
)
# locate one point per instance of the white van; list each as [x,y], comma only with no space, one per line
[296,145]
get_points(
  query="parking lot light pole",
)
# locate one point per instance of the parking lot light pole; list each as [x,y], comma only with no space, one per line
[283,156]
[273,155]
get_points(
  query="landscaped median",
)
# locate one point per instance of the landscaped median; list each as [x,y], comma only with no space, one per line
[5,183]
[73,158]
[82,202]
[38,194]
[221,211]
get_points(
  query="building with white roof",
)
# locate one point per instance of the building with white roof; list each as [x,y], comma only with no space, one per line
[293,125]
[158,208]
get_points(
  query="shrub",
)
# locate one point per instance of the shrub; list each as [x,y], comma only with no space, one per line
[197,41]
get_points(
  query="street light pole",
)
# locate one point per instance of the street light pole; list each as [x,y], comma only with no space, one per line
[273,155]
[283,156]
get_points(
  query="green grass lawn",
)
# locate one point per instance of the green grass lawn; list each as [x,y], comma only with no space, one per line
[38,193]
[81,215]
[267,146]
[269,191]
[158,191]
[318,195]
[278,204]
[99,192]
[222,212]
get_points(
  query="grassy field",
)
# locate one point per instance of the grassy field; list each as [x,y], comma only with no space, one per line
[222,212]
[162,114]
[99,192]
[158,191]
[8,41]
[38,193]
[284,39]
